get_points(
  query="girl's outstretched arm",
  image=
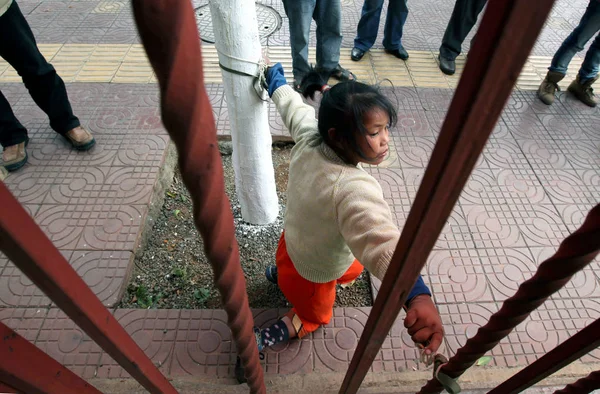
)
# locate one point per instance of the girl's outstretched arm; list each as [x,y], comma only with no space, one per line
[297,116]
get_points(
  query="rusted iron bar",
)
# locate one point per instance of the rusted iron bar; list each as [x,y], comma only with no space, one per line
[26,368]
[564,354]
[6,389]
[507,34]
[582,386]
[574,253]
[26,245]
[170,35]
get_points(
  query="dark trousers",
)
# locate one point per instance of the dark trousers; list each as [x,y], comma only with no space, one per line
[461,22]
[366,33]
[327,14]
[19,49]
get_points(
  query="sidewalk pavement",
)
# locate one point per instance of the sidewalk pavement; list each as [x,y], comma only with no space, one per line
[539,175]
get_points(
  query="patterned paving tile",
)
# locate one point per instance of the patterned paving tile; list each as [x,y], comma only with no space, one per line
[567,316]
[105,272]
[581,154]
[97,227]
[493,226]
[412,123]
[544,154]
[153,330]
[16,290]
[568,187]
[504,186]
[505,269]
[203,344]
[27,322]
[458,276]
[584,284]
[64,341]
[83,185]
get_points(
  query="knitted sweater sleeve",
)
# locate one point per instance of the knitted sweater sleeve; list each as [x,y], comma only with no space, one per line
[365,221]
[298,117]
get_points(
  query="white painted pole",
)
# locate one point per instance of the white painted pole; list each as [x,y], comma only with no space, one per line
[236,34]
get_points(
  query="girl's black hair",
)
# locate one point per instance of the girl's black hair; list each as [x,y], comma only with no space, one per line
[344,106]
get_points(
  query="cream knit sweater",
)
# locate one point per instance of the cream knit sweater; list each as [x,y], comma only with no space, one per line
[4,4]
[335,211]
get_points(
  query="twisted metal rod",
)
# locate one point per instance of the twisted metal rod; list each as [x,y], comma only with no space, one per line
[573,254]
[582,386]
[170,36]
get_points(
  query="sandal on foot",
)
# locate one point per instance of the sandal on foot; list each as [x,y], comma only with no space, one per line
[342,74]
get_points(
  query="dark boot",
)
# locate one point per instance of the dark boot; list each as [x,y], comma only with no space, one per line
[549,87]
[583,91]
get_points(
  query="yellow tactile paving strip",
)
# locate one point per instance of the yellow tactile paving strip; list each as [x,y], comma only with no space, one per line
[125,63]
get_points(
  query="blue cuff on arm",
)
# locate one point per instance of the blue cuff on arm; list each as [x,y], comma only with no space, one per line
[419,288]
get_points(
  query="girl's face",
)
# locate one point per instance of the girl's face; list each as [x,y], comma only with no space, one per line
[374,144]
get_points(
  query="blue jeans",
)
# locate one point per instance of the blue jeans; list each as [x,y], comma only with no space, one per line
[588,26]
[328,17]
[366,33]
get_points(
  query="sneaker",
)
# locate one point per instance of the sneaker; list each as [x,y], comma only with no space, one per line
[583,91]
[15,156]
[549,86]
[80,138]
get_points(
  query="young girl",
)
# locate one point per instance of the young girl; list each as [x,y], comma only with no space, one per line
[336,218]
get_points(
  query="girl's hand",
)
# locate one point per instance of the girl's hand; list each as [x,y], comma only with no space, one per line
[275,78]
[424,323]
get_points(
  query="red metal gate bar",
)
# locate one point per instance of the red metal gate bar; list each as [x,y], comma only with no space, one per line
[25,244]
[170,36]
[574,253]
[564,354]
[4,388]
[29,370]
[507,34]
[583,386]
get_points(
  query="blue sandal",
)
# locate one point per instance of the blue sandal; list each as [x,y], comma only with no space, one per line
[271,274]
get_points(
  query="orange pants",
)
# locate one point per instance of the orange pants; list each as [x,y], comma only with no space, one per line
[312,302]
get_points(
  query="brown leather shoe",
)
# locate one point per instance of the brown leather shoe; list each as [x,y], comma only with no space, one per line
[15,156]
[80,138]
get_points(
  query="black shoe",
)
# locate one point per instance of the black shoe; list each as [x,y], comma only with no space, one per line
[447,66]
[357,54]
[400,53]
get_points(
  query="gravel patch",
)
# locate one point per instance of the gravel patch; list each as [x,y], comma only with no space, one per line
[173,272]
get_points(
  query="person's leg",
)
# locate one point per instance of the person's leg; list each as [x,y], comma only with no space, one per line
[312,303]
[328,16]
[46,88]
[368,26]
[300,14]
[464,16]
[591,63]
[575,42]
[12,131]
[352,274]
[581,87]
[394,24]
[13,138]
